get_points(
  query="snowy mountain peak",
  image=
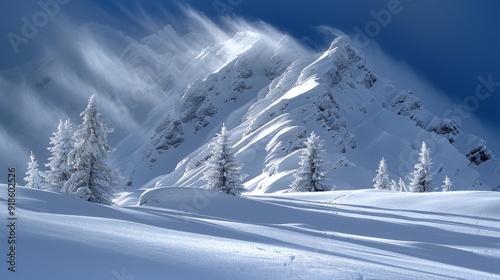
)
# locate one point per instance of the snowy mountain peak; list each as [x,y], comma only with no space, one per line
[170,92]
[332,93]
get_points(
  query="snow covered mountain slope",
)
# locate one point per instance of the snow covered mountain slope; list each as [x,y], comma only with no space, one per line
[184,233]
[361,116]
[169,92]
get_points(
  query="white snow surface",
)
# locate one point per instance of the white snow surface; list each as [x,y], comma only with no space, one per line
[188,233]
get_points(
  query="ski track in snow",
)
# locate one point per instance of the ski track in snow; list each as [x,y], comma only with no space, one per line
[365,234]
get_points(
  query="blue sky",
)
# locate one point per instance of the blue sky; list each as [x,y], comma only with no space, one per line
[449,42]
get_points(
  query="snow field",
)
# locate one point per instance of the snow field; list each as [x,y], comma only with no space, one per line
[183,233]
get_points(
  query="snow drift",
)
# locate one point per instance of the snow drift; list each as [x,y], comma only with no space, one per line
[367,234]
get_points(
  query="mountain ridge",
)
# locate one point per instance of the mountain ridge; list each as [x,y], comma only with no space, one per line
[269,89]
[282,90]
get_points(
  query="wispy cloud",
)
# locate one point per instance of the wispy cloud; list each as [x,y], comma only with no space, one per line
[134,78]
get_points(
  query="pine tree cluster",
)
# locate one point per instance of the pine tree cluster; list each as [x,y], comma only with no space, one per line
[418,181]
[78,161]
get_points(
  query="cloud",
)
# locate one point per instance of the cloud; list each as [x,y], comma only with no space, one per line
[137,80]
[330,33]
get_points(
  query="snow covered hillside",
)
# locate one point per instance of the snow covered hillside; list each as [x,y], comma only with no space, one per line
[362,117]
[183,233]
[169,92]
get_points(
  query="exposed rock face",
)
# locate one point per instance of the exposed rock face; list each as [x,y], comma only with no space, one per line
[479,154]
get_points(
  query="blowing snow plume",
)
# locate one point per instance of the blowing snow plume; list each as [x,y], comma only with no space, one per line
[136,80]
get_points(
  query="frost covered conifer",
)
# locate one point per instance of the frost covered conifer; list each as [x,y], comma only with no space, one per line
[223,170]
[33,175]
[62,143]
[311,173]
[394,185]
[447,184]
[92,178]
[421,176]
[402,185]
[382,180]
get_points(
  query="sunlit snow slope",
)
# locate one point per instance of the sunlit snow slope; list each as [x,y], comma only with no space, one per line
[168,93]
[332,235]
[361,117]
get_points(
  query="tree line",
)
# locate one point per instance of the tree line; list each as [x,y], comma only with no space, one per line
[224,172]
[417,181]
[79,164]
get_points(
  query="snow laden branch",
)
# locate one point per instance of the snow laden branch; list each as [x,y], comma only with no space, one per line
[62,143]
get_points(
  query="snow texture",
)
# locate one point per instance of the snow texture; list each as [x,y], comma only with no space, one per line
[190,233]
[62,143]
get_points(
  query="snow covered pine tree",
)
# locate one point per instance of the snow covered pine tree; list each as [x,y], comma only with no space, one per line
[394,186]
[92,179]
[382,180]
[33,175]
[421,176]
[223,170]
[447,184]
[311,174]
[402,185]
[62,143]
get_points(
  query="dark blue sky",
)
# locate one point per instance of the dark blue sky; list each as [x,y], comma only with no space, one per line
[449,42]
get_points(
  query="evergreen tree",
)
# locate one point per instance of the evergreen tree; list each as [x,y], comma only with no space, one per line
[62,143]
[394,185]
[92,179]
[421,176]
[223,170]
[447,184]
[382,180]
[402,185]
[311,173]
[33,175]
